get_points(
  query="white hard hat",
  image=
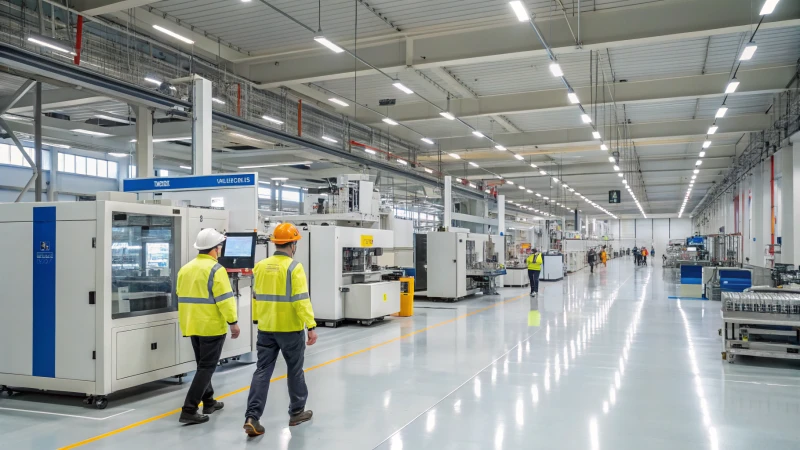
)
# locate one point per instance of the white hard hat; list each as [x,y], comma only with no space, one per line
[208,238]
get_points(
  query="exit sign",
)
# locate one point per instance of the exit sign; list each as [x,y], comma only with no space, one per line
[614,196]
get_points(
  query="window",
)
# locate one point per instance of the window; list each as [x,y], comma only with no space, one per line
[102,168]
[290,196]
[131,171]
[91,167]
[5,154]
[264,192]
[163,173]
[60,162]
[45,159]
[69,163]
[31,155]
[80,165]
[112,169]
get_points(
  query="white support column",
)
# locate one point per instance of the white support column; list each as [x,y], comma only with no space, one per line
[501,215]
[144,142]
[201,126]
[52,187]
[794,215]
[448,202]
[786,211]
[757,217]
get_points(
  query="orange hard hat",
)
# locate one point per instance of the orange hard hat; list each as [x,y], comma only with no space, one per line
[285,233]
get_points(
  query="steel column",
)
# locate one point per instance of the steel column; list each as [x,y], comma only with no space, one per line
[52,186]
[144,142]
[37,139]
[448,202]
[201,126]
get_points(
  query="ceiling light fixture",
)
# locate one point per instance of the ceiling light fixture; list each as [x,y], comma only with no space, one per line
[402,87]
[611,159]
[478,133]
[447,115]
[521,187]
[329,139]
[113,119]
[173,34]
[427,141]
[118,155]
[585,118]
[152,80]
[712,129]
[616,168]
[699,162]
[272,119]
[370,151]
[56,145]
[706,144]
[185,167]
[534,165]
[91,133]
[596,134]
[731,87]
[338,102]
[749,51]
[520,11]
[259,166]
[403,162]
[500,147]
[454,155]
[50,43]
[473,164]
[331,46]
[702,154]
[721,112]
[216,100]
[389,121]
[509,182]
[555,69]
[542,172]
[573,97]
[519,157]
[604,147]
[768,7]
[472,185]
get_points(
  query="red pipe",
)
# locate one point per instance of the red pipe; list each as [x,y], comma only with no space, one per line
[78,41]
[239,99]
[772,203]
[299,117]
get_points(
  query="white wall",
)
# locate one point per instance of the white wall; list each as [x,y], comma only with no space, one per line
[650,232]
[13,178]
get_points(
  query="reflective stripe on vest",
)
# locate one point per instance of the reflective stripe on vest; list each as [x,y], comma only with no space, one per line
[288,297]
[210,300]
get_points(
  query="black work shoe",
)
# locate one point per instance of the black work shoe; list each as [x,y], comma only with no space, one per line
[253,428]
[192,419]
[216,406]
[297,419]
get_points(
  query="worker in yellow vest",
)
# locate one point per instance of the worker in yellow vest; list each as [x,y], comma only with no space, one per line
[534,270]
[206,309]
[282,309]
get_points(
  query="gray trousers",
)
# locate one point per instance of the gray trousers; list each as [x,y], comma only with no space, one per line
[292,345]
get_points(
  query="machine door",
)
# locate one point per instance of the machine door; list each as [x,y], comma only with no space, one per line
[75,315]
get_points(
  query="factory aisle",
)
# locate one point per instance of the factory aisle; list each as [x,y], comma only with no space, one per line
[598,361]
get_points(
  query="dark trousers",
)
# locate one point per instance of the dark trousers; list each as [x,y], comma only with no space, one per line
[591,266]
[533,276]
[292,345]
[207,350]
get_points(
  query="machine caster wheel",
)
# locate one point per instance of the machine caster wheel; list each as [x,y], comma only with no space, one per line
[380,319]
[100,403]
[731,358]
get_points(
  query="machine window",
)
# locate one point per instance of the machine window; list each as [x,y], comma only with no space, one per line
[143,265]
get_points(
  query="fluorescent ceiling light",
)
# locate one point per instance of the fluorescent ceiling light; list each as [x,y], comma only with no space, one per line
[732,85]
[472,185]
[473,164]
[370,151]
[427,141]
[459,180]
[596,134]
[403,162]
[279,179]
[712,129]
[696,171]
[616,168]
[447,115]
[324,41]
[721,112]
[259,166]
[189,138]
[620,175]
[53,44]
[573,98]
[486,190]
[337,101]
[510,182]
[706,144]
[521,187]
[389,121]
[500,147]
[555,69]
[768,7]
[571,190]
[611,159]
[113,119]
[216,100]
[519,10]
[603,147]
[402,87]
[542,172]
[118,155]
[329,139]
[555,179]
[152,80]
[694,177]
[91,133]
[173,34]
[519,157]
[546,198]
[478,133]
[454,155]
[699,162]
[529,191]
[585,118]
[272,119]
[186,167]
[749,51]
[56,145]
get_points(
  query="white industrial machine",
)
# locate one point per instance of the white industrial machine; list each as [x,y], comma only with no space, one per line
[93,299]
[552,266]
[351,201]
[457,260]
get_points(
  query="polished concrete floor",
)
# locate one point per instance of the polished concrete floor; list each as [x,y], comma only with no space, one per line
[599,361]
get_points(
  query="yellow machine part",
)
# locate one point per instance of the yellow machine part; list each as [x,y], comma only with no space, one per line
[406,297]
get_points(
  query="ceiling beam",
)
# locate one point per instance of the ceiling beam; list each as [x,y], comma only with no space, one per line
[583,135]
[753,81]
[640,25]
[97,7]
[57,98]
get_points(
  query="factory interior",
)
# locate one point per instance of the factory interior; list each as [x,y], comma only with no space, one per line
[560,224]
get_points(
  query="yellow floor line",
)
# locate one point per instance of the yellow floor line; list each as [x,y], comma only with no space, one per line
[309,369]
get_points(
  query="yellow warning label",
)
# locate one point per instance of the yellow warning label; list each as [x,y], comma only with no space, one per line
[366,240]
[384,298]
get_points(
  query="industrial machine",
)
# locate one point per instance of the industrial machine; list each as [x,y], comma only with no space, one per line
[516,265]
[785,275]
[552,266]
[352,201]
[763,322]
[94,302]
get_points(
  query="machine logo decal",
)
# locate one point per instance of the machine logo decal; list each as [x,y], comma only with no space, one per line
[366,240]
[44,255]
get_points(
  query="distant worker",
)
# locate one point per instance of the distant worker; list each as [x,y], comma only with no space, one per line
[534,270]
[282,309]
[636,256]
[653,250]
[592,258]
[206,309]
[604,257]
[644,256]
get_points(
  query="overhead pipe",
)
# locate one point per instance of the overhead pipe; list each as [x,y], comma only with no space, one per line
[299,117]
[239,99]
[78,41]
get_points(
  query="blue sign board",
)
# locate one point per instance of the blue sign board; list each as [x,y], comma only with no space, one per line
[183,183]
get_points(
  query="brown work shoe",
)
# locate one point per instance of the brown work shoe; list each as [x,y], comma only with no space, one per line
[253,428]
[297,419]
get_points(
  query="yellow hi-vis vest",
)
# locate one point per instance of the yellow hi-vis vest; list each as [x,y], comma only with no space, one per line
[535,265]
[280,295]
[206,305]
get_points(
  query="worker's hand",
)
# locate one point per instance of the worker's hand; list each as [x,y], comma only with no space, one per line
[312,337]
[235,331]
